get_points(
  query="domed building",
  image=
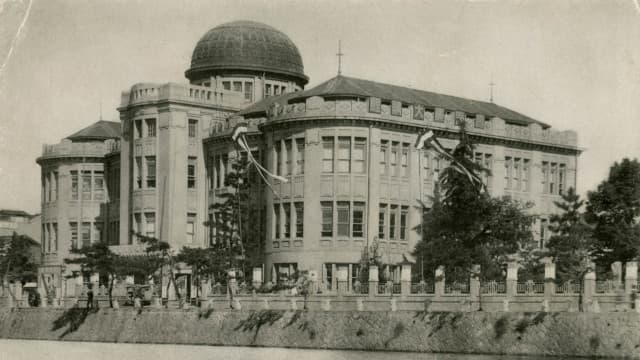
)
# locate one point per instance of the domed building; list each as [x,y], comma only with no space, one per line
[347,171]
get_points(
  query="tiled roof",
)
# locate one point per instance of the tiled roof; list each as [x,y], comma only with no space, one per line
[11,212]
[100,130]
[348,86]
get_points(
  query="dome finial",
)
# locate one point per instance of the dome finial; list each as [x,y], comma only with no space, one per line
[339,54]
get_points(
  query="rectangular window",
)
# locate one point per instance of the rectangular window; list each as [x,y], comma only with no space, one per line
[300,156]
[138,174]
[393,161]
[507,172]
[404,160]
[516,174]
[151,127]
[86,185]
[359,155]
[543,233]
[553,176]
[392,222]
[278,147]
[343,218]
[73,231]
[211,225]
[137,218]
[138,125]
[98,185]
[382,214]
[288,156]
[151,172]
[193,128]
[426,160]
[191,173]
[54,178]
[287,220]
[299,219]
[267,90]
[545,177]
[344,155]
[358,220]
[191,228]
[248,91]
[525,174]
[237,86]
[327,154]
[384,144]
[276,213]
[488,164]
[327,219]
[562,174]
[403,223]
[54,237]
[86,234]
[226,85]
[478,122]
[150,220]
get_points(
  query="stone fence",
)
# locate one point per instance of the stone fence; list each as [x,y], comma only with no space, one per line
[512,294]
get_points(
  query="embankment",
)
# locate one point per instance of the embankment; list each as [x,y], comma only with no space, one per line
[557,334]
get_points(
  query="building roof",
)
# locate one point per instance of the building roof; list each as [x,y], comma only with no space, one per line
[348,86]
[11,212]
[100,130]
[246,45]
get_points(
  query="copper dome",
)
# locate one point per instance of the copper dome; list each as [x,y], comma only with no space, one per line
[248,46]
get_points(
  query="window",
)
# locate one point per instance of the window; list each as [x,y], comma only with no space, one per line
[226,85]
[151,172]
[299,219]
[300,156]
[74,185]
[478,122]
[289,155]
[48,238]
[86,234]
[328,276]
[276,212]
[488,164]
[191,228]
[54,237]
[358,220]
[97,231]
[151,128]
[276,90]
[562,174]
[344,155]
[327,154]
[191,172]
[543,233]
[193,128]
[553,176]
[237,86]
[287,220]
[343,218]
[525,175]
[545,177]
[394,158]
[426,159]
[267,90]
[327,219]
[248,91]
[212,229]
[86,185]
[138,126]
[54,178]
[515,183]
[403,223]
[404,161]
[73,231]
[278,147]
[384,144]
[359,153]
[381,221]
[507,172]
[150,220]
[138,174]
[392,222]
[98,185]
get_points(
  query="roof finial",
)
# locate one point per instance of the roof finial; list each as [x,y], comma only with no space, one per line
[339,54]
[491,85]
[100,110]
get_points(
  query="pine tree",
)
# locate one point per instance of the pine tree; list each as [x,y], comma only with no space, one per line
[15,263]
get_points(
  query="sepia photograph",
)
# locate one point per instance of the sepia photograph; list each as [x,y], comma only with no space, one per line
[330,179]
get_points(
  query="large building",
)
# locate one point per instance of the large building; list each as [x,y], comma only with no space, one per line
[346,147]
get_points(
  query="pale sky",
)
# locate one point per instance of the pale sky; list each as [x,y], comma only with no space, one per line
[571,64]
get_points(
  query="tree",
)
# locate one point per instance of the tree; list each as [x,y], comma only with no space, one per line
[236,233]
[205,263]
[97,258]
[467,227]
[614,209]
[15,263]
[161,254]
[370,257]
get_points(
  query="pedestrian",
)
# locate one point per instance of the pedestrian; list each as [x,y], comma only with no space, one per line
[90,296]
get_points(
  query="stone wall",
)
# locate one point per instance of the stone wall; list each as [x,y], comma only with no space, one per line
[560,334]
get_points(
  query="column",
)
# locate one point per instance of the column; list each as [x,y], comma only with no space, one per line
[373,280]
[589,287]
[257,277]
[631,277]
[474,285]
[512,278]
[405,280]
[549,280]
[439,285]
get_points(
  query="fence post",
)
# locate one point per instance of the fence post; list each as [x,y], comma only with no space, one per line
[439,284]
[405,280]
[257,277]
[512,279]
[589,287]
[549,280]
[373,280]
[631,277]
[474,286]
